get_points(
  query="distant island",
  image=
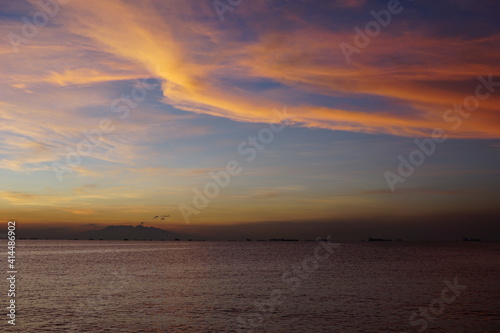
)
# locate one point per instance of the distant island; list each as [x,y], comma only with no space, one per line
[471,239]
[283,240]
[128,232]
[379,240]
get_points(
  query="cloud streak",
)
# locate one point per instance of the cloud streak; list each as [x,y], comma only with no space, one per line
[197,61]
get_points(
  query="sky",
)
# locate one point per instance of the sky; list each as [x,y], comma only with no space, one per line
[350,114]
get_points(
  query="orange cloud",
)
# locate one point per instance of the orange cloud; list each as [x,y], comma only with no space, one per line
[304,63]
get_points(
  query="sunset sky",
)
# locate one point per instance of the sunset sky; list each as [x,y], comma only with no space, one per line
[175,87]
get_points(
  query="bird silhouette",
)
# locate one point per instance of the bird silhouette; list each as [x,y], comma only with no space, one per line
[161,217]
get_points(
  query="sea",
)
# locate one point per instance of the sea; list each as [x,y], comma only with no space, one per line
[253,286]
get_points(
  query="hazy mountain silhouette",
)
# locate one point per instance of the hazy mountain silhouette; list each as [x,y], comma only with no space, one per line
[130,232]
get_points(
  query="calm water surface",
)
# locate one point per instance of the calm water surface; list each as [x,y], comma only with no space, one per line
[118,286]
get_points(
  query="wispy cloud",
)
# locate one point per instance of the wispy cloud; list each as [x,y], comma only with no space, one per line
[415,191]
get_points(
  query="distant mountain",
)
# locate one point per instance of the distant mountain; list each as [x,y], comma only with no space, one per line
[131,233]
